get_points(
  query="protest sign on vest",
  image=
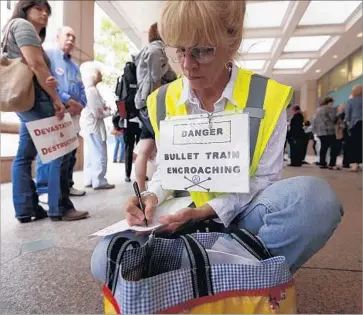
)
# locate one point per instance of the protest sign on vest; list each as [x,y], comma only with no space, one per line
[197,153]
[52,137]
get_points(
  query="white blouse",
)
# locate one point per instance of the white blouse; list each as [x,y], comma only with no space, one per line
[269,169]
[92,115]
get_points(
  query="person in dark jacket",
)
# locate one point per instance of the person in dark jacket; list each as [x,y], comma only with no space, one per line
[296,137]
[353,117]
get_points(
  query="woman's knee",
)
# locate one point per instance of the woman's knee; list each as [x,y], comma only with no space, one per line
[321,204]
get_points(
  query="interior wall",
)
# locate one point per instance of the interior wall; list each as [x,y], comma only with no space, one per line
[341,95]
[308,98]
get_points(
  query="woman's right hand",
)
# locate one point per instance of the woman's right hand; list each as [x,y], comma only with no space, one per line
[135,216]
[59,109]
[52,82]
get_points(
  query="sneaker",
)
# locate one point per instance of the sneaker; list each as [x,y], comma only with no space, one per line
[43,198]
[76,192]
[106,186]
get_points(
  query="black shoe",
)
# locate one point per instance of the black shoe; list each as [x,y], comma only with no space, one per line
[56,218]
[25,219]
[127,179]
[40,213]
[304,162]
[114,161]
[323,167]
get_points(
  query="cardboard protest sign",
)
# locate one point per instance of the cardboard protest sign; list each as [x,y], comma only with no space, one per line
[53,138]
[198,154]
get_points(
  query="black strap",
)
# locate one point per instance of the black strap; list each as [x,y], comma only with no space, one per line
[200,267]
[115,251]
[251,243]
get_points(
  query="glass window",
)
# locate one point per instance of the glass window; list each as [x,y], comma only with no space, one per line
[338,76]
[323,86]
[356,62]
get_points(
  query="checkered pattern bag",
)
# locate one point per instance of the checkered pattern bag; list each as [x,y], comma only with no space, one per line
[151,279]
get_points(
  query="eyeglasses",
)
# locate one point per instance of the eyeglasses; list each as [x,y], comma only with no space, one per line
[201,54]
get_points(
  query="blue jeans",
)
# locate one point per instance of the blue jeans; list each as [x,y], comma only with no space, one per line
[25,197]
[95,161]
[42,172]
[119,141]
[294,218]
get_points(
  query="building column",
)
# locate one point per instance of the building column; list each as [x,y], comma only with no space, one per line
[308,98]
[79,15]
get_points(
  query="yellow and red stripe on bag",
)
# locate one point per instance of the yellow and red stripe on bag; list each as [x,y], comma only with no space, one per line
[110,304]
[277,300]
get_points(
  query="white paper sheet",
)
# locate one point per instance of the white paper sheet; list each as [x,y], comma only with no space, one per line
[167,207]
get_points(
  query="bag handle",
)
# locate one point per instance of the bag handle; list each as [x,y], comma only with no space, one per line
[115,251]
[6,37]
[200,266]
[198,259]
[249,241]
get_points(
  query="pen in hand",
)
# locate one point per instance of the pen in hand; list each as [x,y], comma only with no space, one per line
[138,195]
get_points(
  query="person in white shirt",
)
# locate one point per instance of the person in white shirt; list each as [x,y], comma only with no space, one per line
[93,129]
[292,217]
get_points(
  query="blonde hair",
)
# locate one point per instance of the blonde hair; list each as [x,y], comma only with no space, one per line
[357,91]
[89,72]
[213,23]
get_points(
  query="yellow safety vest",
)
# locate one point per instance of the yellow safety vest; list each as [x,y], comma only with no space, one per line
[264,99]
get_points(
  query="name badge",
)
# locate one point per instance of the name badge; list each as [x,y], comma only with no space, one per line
[59,71]
[198,154]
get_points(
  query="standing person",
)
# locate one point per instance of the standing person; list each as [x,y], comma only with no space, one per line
[152,64]
[308,129]
[93,129]
[292,217]
[353,117]
[71,92]
[27,32]
[296,137]
[131,137]
[118,133]
[324,127]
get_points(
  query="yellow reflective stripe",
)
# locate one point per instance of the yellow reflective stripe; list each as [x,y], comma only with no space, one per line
[242,87]
[152,108]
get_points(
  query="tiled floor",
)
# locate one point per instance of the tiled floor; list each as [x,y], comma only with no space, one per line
[53,275]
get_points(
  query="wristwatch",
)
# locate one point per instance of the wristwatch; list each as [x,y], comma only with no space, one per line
[148,193]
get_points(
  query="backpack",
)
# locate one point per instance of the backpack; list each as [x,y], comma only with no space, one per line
[125,91]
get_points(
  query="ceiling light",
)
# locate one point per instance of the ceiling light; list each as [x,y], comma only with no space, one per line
[252,64]
[317,71]
[306,43]
[291,63]
[265,13]
[257,45]
[359,35]
[335,56]
[337,12]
